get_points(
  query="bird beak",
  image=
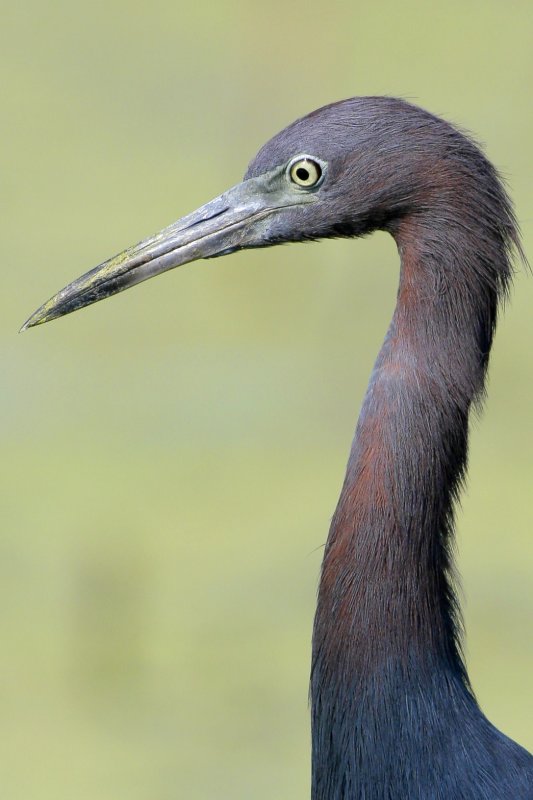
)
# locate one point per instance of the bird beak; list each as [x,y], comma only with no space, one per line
[237,219]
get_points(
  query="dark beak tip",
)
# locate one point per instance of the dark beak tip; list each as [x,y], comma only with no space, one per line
[37,318]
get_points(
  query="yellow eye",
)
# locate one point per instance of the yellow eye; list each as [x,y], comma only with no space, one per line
[305,172]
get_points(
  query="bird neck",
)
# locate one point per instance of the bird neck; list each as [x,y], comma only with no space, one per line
[386,630]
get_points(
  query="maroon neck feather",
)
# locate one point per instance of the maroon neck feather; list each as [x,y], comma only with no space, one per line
[386,647]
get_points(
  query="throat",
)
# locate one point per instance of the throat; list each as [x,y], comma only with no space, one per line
[386,650]
[385,590]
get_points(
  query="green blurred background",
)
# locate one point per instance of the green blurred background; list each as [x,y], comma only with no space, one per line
[172,457]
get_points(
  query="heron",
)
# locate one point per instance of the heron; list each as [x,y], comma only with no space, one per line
[393,712]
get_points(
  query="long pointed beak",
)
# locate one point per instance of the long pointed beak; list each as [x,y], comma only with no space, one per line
[234,220]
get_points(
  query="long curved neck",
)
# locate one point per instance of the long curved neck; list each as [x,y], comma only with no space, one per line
[386,655]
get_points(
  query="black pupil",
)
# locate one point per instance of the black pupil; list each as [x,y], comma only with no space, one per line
[303,173]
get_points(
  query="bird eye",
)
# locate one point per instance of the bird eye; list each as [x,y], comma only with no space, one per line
[305,172]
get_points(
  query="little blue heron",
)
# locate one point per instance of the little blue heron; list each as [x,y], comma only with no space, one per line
[393,713]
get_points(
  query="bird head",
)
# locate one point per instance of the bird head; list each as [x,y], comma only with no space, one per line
[343,170]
